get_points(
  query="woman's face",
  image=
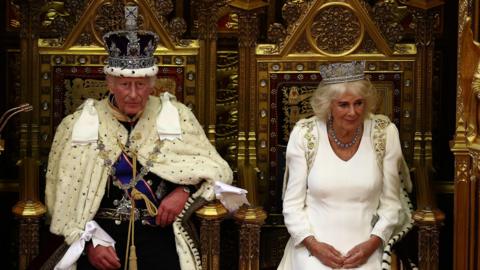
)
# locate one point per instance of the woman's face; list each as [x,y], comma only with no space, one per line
[131,94]
[347,112]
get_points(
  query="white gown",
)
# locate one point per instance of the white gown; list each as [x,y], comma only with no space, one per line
[338,200]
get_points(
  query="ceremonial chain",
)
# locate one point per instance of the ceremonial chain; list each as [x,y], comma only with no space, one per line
[337,141]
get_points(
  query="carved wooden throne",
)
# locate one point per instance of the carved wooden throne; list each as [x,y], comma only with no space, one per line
[317,32]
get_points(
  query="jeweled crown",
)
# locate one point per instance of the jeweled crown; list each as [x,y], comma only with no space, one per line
[342,72]
[130,51]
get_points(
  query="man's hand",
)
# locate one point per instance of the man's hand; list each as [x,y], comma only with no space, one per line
[359,254]
[171,206]
[103,258]
[324,252]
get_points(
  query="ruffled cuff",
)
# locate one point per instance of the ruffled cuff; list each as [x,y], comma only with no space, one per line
[231,197]
[92,232]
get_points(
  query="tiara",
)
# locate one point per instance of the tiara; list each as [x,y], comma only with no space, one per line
[342,72]
[130,51]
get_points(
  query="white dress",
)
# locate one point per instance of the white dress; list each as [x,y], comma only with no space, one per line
[339,201]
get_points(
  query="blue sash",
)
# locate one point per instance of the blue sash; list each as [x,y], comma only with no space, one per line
[123,174]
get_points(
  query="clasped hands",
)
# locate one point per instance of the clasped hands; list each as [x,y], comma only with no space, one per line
[102,257]
[331,257]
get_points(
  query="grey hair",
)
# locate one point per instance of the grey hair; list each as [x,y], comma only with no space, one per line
[325,93]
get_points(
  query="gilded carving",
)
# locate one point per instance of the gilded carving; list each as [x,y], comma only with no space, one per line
[428,244]
[85,39]
[111,17]
[29,238]
[463,9]
[250,220]
[207,15]
[474,106]
[249,244]
[52,11]
[388,16]
[229,126]
[227,105]
[249,28]
[291,27]
[57,19]
[302,45]
[177,27]
[469,83]
[368,45]
[162,7]
[423,25]
[461,169]
[292,10]
[276,33]
[28,13]
[210,243]
[336,29]
[13,14]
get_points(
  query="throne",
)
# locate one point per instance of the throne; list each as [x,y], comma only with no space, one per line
[288,73]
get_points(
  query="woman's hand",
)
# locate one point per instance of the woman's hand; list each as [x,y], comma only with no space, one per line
[359,254]
[103,258]
[324,252]
[171,206]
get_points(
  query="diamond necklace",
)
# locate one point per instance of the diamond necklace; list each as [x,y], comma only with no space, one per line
[337,141]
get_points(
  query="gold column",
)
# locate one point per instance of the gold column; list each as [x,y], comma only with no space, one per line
[29,210]
[466,221]
[211,215]
[250,220]
[427,217]
[247,11]
[429,224]
[206,83]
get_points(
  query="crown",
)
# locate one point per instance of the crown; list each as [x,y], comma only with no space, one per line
[130,51]
[342,72]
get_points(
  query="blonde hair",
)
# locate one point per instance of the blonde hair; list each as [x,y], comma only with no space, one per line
[325,93]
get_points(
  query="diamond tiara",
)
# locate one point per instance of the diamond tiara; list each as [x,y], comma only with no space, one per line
[342,72]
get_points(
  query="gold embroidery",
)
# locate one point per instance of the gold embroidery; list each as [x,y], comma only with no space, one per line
[379,138]
[310,139]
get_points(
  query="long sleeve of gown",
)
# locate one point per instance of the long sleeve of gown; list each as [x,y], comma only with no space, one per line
[389,205]
[296,219]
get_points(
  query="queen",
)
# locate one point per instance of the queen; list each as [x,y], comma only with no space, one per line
[342,193]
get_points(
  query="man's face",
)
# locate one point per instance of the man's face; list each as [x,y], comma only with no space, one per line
[131,94]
